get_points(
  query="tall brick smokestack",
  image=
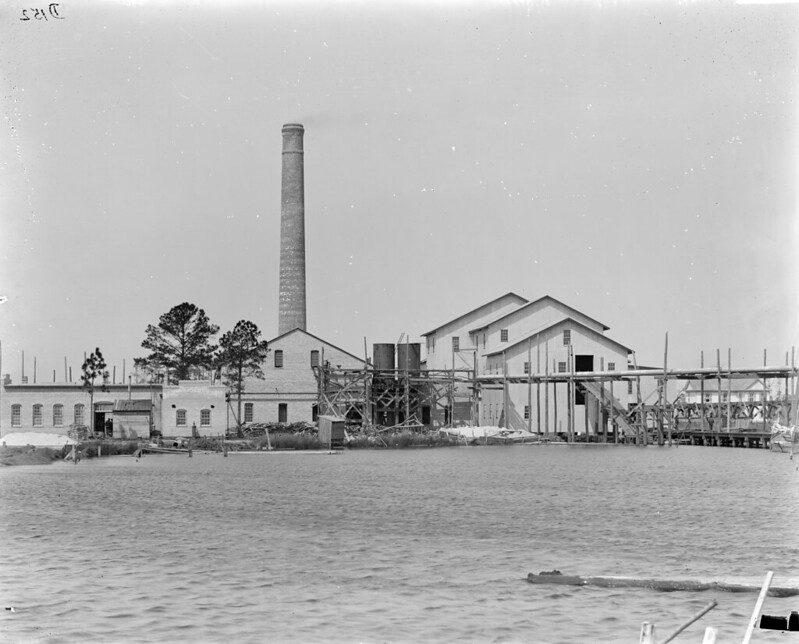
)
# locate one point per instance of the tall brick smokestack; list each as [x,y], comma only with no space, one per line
[291,313]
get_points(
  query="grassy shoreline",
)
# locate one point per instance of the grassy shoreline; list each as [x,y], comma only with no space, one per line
[31,455]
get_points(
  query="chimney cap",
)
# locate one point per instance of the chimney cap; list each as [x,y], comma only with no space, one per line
[293,126]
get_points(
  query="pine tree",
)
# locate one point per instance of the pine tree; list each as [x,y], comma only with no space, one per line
[241,354]
[181,342]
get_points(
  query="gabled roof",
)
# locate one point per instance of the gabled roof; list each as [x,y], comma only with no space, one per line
[540,299]
[712,383]
[315,337]
[482,306]
[551,326]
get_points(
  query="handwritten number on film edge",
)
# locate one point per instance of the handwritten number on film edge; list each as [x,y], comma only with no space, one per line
[42,14]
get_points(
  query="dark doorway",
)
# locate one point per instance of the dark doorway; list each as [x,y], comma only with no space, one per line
[426,415]
[282,413]
[582,363]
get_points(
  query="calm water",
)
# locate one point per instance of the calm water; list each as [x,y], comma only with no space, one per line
[392,545]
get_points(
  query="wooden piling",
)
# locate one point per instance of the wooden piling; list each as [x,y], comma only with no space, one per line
[690,621]
[702,392]
[554,401]
[537,384]
[546,388]
[529,385]
[570,395]
[729,389]
[765,395]
[758,605]
[647,633]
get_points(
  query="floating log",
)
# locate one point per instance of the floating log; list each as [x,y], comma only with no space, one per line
[662,585]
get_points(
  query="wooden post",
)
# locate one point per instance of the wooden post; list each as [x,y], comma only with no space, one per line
[505,389]
[718,387]
[70,374]
[554,400]
[34,370]
[729,389]
[537,383]
[123,371]
[613,423]
[475,399]
[758,605]
[647,633]
[690,621]
[702,392]
[570,394]
[765,393]
[53,375]
[529,385]
[546,388]
[114,376]
[666,386]
[602,403]
[710,635]
[639,402]
[407,384]
[65,369]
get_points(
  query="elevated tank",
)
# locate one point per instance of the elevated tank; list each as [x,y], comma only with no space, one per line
[409,356]
[383,355]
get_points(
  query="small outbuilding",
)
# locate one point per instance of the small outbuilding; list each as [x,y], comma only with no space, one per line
[331,431]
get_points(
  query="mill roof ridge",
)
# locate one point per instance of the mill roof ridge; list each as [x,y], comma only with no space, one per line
[508,294]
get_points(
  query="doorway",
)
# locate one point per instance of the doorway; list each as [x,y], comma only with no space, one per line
[582,363]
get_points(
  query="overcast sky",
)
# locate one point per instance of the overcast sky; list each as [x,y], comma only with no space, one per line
[637,161]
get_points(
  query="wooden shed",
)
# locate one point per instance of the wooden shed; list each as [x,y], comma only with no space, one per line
[331,431]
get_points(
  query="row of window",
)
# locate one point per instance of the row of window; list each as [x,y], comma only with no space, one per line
[205,418]
[562,367]
[503,337]
[38,415]
[278,353]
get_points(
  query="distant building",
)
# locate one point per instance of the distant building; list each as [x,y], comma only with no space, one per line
[741,390]
[194,407]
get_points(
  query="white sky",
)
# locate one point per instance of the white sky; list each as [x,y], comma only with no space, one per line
[636,160]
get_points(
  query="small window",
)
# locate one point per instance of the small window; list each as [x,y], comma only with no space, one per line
[526,367]
[456,343]
[561,367]
[248,412]
[503,335]
[37,415]
[611,366]
[484,340]
[433,343]
[314,413]
[629,386]
[278,358]
[16,415]
[567,337]
[527,412]
[180,418]
[78,411]
[724,396]
[205,418]
[58,415]
[282,413]
[315,358]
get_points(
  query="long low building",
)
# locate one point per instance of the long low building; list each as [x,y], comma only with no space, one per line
[192,407]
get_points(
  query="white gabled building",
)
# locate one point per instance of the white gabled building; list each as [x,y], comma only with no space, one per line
[515,336]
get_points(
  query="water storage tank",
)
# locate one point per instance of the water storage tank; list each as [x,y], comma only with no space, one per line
[383,356]
[409,356]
